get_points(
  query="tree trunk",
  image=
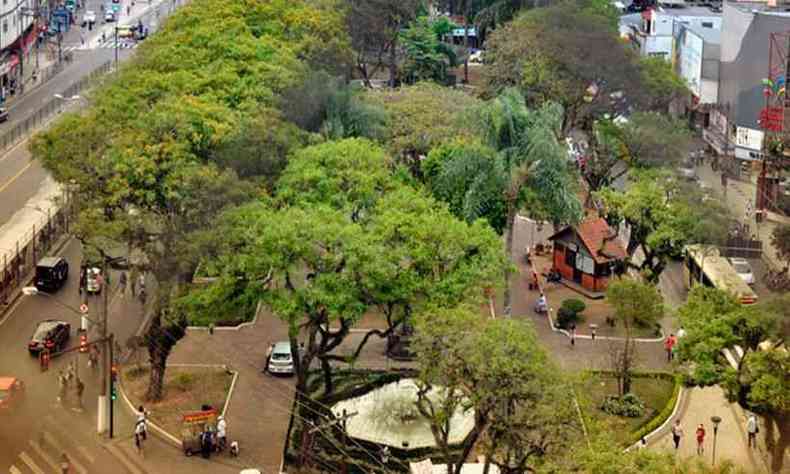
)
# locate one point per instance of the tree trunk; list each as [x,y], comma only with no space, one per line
[157,357]
[392,63]
[779,444]
[627,360]
[156,379]
[509,231]
[326,368]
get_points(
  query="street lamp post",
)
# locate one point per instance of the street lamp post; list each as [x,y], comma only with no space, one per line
[716,420]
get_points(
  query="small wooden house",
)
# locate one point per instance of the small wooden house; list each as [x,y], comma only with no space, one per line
[587,253]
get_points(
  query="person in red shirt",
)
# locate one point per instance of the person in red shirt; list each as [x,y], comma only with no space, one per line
[700,439]
[669,344]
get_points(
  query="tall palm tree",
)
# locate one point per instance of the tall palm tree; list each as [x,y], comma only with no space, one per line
[529,159]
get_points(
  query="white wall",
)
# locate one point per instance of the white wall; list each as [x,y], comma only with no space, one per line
[709,91]
[11,24]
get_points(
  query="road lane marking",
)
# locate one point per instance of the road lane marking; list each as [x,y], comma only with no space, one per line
[118,454]
[86,454]
[16,176]
[59,448]
[43,454]
[30,463]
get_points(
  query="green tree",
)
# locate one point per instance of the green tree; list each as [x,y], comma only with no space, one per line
[427,57]
[423,116]
[662,218]
[646,140]
[261,146]
[662,82]
[497,368]
[143,155]
[760,379]
[635,304]
[529,161]
[566,55]
[375,27]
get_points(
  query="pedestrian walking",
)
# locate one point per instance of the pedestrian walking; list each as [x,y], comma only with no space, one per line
[122,284]
[80,391]
[669,345]
[82,40]
[61,387]
[593,329]
[677,433]
[139,436]
[93,357]
[642,443]
[752,429]
[128,10]
[700,439]
[142,420]
[573,334]
[681,332]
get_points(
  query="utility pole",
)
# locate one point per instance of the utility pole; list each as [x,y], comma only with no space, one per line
[104,406]
[116,49]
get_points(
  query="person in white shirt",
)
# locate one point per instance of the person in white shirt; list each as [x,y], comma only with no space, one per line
[752,430]
[681,332]
[221,435]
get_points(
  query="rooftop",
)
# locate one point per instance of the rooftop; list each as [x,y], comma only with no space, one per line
[708,35]
[601,241]
[681,11]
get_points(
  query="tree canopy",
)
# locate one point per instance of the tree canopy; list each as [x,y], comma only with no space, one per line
[144,157]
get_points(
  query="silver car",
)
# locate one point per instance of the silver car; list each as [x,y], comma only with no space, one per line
[279,359]
[743,269]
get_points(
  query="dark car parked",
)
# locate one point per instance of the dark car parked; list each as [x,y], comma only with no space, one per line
[51,273]
[50,334]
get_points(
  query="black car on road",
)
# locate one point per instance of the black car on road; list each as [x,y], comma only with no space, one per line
[50,334]
[51,273]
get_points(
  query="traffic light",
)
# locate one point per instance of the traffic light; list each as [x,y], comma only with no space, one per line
[83,341]
[113,380]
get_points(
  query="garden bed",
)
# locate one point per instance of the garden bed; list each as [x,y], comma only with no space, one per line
[658,392]
[186,389]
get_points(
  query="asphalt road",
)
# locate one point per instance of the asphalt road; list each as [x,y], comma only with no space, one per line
[20,176]
[35,434]
[19,427]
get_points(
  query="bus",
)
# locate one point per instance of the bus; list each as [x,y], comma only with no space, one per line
[706,265]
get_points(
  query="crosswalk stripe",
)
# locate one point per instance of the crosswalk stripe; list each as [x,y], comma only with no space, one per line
[51,440]
[43,454]
[86,454]
[30,463]
[14,470]
[121,456]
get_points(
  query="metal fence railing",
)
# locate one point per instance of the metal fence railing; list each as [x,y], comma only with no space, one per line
[17,263]
[23,129]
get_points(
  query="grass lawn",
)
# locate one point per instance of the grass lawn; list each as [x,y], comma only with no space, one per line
[654,393]
[186,389]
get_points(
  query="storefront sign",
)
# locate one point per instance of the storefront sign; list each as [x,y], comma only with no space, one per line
[200,416]
[749,138]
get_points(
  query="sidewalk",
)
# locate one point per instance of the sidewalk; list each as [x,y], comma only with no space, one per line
[586,354]
[731,442]
[738,194]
